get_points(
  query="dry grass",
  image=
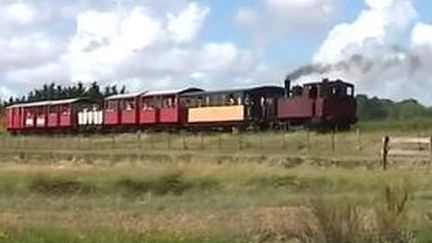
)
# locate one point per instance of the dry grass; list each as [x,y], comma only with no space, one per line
[262,192]
[184,221]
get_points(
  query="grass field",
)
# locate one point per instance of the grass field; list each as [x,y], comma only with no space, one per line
[269,187]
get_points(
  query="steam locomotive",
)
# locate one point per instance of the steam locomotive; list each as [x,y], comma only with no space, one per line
[329,104]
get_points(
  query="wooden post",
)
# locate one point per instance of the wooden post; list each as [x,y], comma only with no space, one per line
[150,140]
[139,145]
[283,140]
[333,142]
[202,140]
[358,133]
[430,146]
[113,141]
[185,147]
[261,141]
[220,142]
[169,141]
[385,150]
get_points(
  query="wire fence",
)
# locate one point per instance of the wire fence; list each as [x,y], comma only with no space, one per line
[266,143]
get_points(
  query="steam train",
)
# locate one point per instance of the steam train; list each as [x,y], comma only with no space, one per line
[329,104]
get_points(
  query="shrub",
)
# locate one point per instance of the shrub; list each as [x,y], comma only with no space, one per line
[348,223]
[169,184]
[60,186]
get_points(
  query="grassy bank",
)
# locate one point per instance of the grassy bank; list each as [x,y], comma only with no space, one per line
[211,188]
[192,201]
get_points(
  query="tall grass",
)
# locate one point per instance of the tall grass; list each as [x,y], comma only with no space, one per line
[345,222]
[55,235]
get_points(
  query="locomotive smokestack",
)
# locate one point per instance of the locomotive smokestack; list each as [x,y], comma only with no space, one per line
[287,87]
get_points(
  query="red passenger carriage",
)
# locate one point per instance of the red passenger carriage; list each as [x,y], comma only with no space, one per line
[122,109]
[58,115]
[164,108]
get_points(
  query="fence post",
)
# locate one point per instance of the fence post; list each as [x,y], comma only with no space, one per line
[358,133]
[169,141]
[261,141]
[113,141]
[308,141]
[185,147]
[139,145]
[202,140]
[333,143]
[430,146]
[283,140]
[150,140]
[220,142]
[385,150]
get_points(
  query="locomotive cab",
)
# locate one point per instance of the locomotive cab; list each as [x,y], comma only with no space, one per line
[328,103]
[336,104]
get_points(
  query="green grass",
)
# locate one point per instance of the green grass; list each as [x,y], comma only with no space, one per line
[53,235]
[67,189]
[187,200]
[412,125]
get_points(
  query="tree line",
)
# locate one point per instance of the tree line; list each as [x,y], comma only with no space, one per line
[55,91]
[370,109]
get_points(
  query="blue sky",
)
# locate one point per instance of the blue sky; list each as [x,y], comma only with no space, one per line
[163,44]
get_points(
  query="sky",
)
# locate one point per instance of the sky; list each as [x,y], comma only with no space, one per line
[383,46]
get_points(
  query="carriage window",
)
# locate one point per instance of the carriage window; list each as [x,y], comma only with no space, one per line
[239,101]
[168,103]
[52,109]
[313,92]
[231,99]
[200,102]
[337,91]
[40,110]
[188,102]
[148,105]
[297,91]
[65,110]
[112,105]
[247,100]
[127,105]
[350,91]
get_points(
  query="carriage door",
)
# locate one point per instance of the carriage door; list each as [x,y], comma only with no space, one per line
[270,108]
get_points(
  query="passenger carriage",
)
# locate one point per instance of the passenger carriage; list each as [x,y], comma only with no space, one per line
[122,110]
[145,110]
[163,109]
[240,108]
[50,116]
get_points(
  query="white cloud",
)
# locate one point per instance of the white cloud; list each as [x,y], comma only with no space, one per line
[5,93]
[145,44]
[377,4]
[422,35]
[26,51]
[376,26]
[373,52]
[185,26]
[19,12]
[274,19]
